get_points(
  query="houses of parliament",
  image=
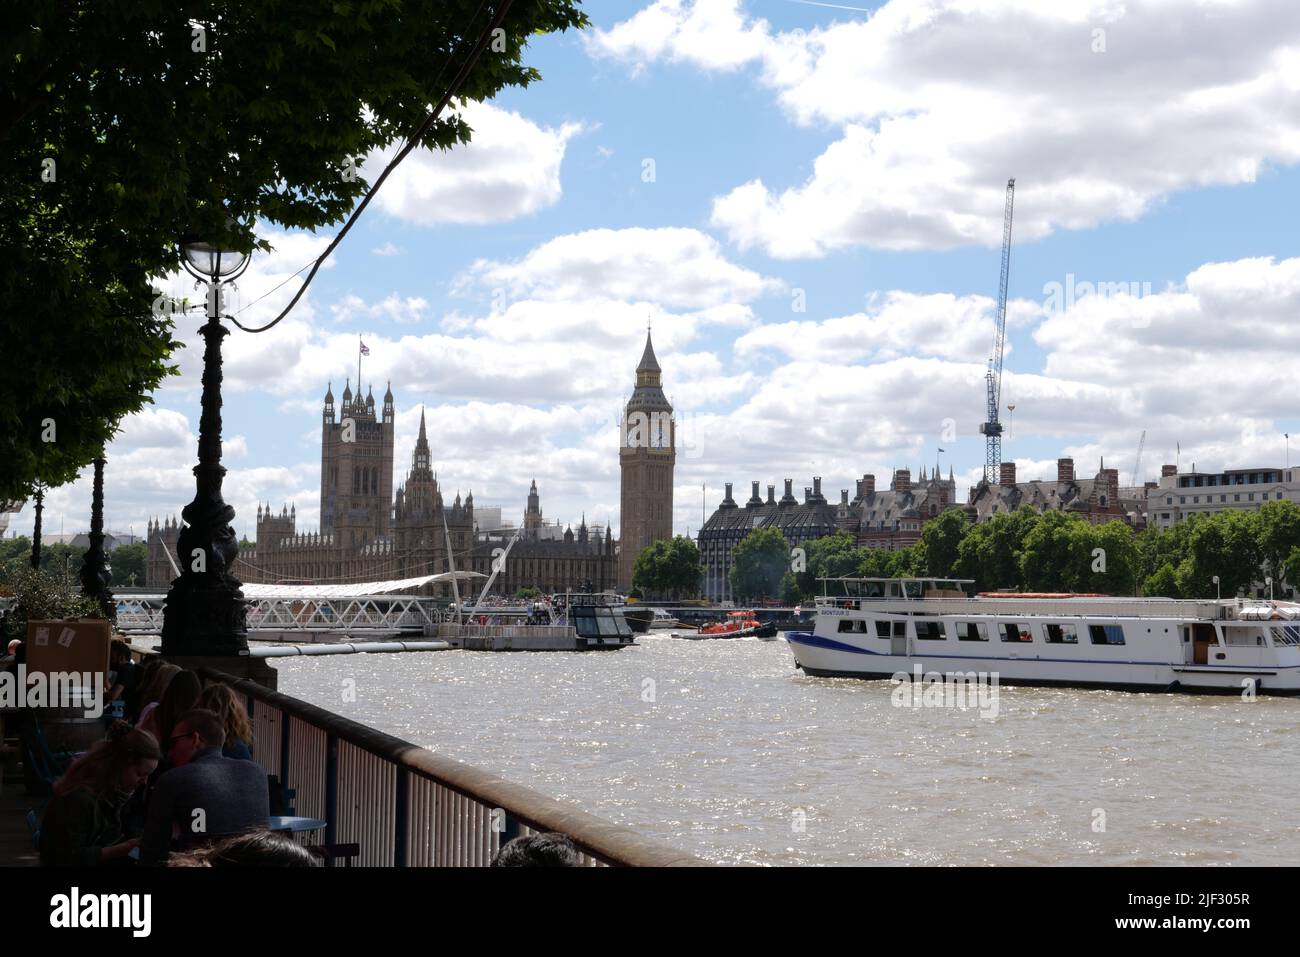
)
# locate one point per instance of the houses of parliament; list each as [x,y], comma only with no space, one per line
[370,532]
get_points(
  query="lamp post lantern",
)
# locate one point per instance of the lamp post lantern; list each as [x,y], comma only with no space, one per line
[205,613]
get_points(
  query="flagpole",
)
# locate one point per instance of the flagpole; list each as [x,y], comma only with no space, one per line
[358,365]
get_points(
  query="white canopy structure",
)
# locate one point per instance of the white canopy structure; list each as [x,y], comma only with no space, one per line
[358,590]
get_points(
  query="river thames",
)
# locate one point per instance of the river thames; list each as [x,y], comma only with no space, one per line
[724,749]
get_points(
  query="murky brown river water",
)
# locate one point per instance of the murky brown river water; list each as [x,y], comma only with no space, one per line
[740,758]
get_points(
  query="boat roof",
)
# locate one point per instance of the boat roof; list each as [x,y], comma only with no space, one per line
[849,578]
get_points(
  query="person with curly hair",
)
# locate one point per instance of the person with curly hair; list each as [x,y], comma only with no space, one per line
[221,700]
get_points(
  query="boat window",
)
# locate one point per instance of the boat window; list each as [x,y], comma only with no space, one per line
[882,629]
[1106,634]
[1286,635]
[1242,637]
[1016,631]
[1062,635]
[930,630]
[972,631]
[912,589]
[900,629]
[857,626]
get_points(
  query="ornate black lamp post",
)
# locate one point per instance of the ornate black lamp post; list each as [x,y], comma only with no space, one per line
[95,571]
[205,613]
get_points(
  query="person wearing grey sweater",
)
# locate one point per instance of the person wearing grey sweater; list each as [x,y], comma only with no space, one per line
[206,795]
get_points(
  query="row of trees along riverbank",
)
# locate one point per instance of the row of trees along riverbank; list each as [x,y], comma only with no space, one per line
[1023,549]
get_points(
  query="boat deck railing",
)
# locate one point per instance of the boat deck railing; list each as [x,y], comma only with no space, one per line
[405,806]
[1039,607]
[449,629]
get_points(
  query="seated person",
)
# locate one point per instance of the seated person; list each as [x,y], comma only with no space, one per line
[250,849]
[538,850]
[206,795]
[82,826]
[219,699]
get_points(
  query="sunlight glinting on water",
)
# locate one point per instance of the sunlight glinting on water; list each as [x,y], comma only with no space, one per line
[722,748]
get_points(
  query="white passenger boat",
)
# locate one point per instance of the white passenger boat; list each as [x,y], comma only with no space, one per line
[663,620]
[879,627]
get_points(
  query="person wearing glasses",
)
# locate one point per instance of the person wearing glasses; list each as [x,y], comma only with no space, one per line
[206,795]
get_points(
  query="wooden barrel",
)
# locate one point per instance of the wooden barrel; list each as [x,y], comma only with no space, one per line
[68,729]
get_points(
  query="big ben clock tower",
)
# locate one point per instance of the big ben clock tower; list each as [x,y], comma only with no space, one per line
[647,454]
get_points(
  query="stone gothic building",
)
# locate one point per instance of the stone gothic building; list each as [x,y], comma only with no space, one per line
[646,457]
[369,532]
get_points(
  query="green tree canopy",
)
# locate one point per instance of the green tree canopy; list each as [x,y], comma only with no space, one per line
[1052,552]
[128,560]
[1162,584]
[1111,558]
[126,124]
[1277,526]
[940,541]
[1223,544]
[831,556]
[669,567]
[759,562]
[990,551]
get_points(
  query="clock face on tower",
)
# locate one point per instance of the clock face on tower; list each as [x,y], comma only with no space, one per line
[653,431]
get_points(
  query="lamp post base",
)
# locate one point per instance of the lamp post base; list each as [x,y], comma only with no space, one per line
[205,615]
[236,666]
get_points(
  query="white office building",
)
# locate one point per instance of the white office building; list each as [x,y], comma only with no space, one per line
[1179,495]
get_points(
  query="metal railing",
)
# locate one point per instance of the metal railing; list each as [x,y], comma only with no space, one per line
[378,614]
[451,630]
[408,807]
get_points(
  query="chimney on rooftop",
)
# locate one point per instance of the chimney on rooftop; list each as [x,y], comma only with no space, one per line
[1065,470]
[1007,477]
[771,495]
[1168,470]
[902,481]
[868,484]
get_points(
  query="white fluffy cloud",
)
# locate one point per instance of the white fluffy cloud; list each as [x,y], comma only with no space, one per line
[939,102]
[898,323]
[403,310]
[510,168]
[671,266]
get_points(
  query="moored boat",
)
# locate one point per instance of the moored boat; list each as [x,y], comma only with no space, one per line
[737,624]
[877,628]
[578,622]
[663,620]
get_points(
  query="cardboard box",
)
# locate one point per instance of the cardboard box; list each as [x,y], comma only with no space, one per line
[69,645]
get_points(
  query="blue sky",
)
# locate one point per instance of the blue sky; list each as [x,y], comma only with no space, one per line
[876,147]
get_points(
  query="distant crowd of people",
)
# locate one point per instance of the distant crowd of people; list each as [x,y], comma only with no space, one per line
[173,782]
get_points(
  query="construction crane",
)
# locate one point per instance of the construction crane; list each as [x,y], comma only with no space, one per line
[992,428]
[1137,460]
